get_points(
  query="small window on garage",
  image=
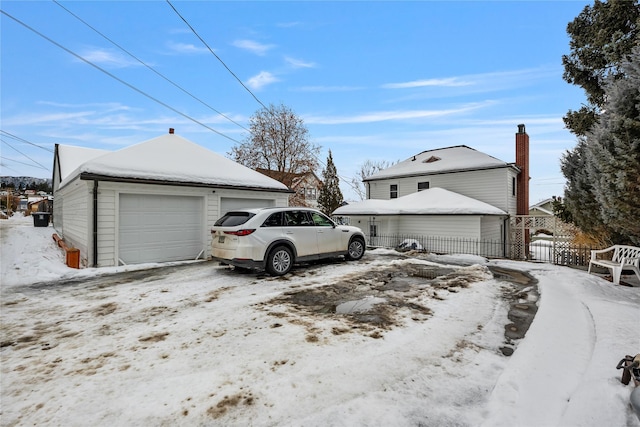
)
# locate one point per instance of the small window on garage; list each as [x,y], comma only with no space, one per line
[423,186]
[393,191]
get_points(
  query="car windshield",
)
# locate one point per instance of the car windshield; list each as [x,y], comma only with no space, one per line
[231,219]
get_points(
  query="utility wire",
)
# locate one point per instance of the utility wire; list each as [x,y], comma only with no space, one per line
[234,75]
[117,78]
[148,66]
[25,141]
[15,149]
[213,53]
[16,161]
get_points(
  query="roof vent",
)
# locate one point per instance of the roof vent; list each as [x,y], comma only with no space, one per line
[431,159]
[170,131]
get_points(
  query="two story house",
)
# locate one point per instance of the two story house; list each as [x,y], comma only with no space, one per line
[453,192]
[306,186]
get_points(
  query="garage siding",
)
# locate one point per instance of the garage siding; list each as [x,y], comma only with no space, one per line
[449,226]
[73,224]
[108,208]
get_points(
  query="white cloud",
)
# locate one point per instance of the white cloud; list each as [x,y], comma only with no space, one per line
[445,82]
[109,58]
[382,116]
[485,81]
[253,46]
[186,48]
[298,63]
[262,79]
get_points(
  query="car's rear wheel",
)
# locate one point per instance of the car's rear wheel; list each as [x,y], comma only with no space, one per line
[356,248]
[279,261]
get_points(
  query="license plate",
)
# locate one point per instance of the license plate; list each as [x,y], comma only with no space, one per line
[220,239]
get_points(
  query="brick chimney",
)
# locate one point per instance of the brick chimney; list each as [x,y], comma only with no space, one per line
[171,131]
[522,161]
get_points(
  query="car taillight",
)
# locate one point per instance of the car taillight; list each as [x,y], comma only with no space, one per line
[245,232]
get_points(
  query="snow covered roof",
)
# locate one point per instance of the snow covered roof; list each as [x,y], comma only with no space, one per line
[458,158]
[70,158]
[168,158]
[434,201]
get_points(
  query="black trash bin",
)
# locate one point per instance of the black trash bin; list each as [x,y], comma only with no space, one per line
[41,219]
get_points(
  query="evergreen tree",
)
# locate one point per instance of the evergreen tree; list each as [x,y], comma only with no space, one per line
[330,197]
[613,154]
[601,37]
[580,205]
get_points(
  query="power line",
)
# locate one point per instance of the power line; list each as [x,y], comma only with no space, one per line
[25,141]
[214,54]
[15,149]
[148,66]
[16,161]
[117,78]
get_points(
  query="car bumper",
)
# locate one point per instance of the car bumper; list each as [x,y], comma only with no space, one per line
[242,263]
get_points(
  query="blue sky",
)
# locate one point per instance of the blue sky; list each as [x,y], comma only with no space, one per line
[372,80]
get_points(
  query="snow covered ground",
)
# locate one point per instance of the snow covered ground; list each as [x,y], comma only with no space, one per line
[340,344]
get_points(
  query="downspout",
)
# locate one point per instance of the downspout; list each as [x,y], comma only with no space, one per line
[95,223]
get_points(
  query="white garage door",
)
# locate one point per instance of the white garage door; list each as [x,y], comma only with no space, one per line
[156,228]
[232,203]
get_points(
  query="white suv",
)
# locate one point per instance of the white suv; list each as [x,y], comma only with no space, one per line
[273,239]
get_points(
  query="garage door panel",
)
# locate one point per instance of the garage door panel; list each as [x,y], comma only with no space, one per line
[157,228]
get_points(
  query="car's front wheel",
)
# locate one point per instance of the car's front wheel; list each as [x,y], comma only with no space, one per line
[279,261]
[356,248]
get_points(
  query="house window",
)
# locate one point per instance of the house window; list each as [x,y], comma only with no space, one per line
[423,186]
[513,186]
[393,191]
[311,194]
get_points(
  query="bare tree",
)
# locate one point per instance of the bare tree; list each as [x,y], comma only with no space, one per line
[368,168]
[278,141]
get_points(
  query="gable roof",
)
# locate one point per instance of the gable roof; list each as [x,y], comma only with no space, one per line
[434,201]
[441,160]
[69,158]
[169,159]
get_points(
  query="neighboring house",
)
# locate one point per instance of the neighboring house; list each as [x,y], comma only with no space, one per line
[40,204]
[543,208]
[306,186]
[151,202]
[448,192]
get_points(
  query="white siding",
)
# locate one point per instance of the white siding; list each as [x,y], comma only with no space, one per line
[492,186]
[492,236]
[453,226]
[72,213]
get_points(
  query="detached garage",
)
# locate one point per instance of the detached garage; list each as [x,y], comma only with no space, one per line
[152,202]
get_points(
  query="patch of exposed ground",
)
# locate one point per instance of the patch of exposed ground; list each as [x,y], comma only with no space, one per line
[373,302]
[521,292]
